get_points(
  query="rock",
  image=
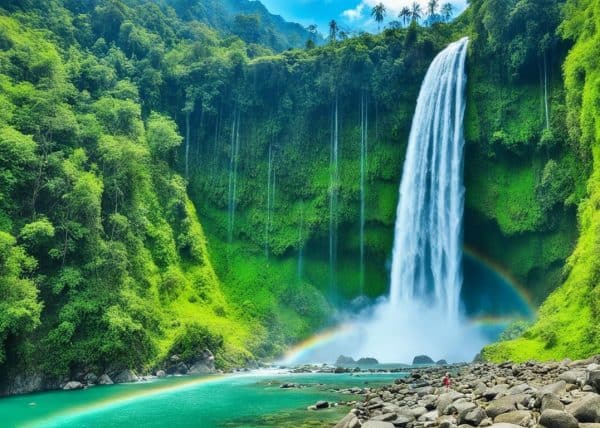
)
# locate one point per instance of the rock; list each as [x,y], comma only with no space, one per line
[446,399]
[72,385]
[349,421]
[586,409]
[179,368]
[473,416]
[441,363]
[386,417]
[377,424]
[125,376]
[558,419]
[160,373]
[105,380]
[505,404]
[422,360]
[516,417]
[200,368]
[367,362]
[90,378]
[342,360]
[322,405]
[505,425]
[593,379]
[551,401]
[459,406]
[491,393]
[589,425]
[573,376]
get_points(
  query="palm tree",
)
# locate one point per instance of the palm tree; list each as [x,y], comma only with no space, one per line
[447,11]
[378,13]
[415,12]
[405,15]
[432,7]
[333,30]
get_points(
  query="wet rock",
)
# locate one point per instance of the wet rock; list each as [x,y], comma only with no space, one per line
[322,405]
[72,385]
[558,419]
[105,380]
[125,376]
[160,373]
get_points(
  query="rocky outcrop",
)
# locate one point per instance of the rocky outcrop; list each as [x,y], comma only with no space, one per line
[125,376]
[536,395]
[342,360]
[422,360]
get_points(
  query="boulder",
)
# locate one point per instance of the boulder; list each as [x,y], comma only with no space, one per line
[516,417]
[378,424]
[551,401]
[586,409]
[90,378]
[505,404]
[160,373]
[593,379]
[573,376]
[321,405]
[200,368]
[72,385]
[472,416]
[505,425]
[558,419]
[446,399]
[349,421]
[105,380]
[125,376]
[422,359]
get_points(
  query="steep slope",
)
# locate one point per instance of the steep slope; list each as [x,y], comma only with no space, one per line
[568,320]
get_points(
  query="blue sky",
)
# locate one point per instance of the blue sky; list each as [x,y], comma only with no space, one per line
[350,14]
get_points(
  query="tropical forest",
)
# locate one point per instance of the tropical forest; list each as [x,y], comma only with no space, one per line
[269,213]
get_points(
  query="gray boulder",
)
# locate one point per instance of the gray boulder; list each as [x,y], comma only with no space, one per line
[558,419]
[160,373]
[105,380]
[516,417]
[586,409]
[505,404]
[551,401]
[378,424]
[90,378]
[593,379]
[573,376]
[72,385]
[472,416]
[125,376]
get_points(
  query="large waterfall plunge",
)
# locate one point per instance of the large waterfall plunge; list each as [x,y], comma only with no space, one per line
[427,256]
[422,314]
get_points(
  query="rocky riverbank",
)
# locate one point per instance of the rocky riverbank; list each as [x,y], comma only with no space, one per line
[541,395]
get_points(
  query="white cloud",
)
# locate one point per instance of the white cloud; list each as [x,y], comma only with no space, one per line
[356,13]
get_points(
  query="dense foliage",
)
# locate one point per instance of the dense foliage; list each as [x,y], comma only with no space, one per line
[120,118]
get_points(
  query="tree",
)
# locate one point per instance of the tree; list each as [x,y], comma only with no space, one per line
[415,12]
[333,30]
[432,8]
[162,135]
[405,15]
[447,11]
[378,12]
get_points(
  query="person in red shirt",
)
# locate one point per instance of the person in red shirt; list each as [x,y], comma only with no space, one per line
[446,381]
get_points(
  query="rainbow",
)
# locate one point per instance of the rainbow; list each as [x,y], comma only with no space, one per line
[503,273]
[323,338]
[120,400]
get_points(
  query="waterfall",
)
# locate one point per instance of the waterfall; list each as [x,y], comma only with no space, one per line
[423,313]
[427,256]
[270,199]
[301,243]
[333,200]
[233,169]
[364,127]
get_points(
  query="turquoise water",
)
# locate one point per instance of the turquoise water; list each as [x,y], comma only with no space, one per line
[252,400]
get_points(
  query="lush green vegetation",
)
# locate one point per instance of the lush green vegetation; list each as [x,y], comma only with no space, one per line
[125,122]
[568,320]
